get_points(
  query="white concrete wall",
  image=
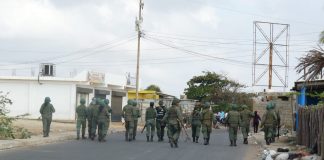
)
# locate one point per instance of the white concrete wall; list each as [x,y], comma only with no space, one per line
[28,96]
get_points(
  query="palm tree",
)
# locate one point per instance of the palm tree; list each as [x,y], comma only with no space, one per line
[312,63]
[321,40]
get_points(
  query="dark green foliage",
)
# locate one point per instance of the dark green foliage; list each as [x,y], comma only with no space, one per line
[218,89]
[153,87]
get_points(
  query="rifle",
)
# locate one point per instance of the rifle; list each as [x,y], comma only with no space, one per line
[183,127]
[278,128]
[143,128]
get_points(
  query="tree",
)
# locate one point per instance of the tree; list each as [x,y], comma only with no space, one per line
[216,88]
[321,39]
[153,87]
[312,63]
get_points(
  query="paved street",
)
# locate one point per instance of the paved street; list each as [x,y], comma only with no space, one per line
[116,148]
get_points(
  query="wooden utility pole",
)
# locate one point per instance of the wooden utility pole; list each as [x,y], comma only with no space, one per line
[138,23]
[270,66]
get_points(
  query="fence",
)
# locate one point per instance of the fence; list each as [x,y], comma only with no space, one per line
[310,128]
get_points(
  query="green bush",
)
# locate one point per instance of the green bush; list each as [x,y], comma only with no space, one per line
[7,131]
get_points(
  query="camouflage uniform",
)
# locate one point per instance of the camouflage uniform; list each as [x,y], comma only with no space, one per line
[233,120]
[195,124]
[94,118]
[173,118]
[160,111]
[137,114]
[102,119]
[267,122]
[109,110]
[46,111]
[207,120]
[81,112]
[246,116]
[150,116]
[128,115]
[276,124]
[89,116]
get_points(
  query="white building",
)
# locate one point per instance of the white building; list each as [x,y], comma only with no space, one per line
[28,93]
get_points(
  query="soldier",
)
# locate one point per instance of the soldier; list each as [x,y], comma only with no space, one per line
[276,124]
[106,102]
[150,116]
[94,118]
[196,123]
[46,111]
[207,120]
[137,114]
[159,124]
[102,119]
[246,116]
[128,115]
[267,122]
[173,118]
[89,116]
[233,121]
[81,112]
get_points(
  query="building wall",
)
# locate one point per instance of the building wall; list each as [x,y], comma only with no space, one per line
[28,96]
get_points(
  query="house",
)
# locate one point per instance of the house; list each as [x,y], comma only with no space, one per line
[28,93]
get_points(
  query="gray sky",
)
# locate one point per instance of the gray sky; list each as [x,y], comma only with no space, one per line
[100,35]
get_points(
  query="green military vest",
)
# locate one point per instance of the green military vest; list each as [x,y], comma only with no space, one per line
[207,117]
[270,117]
[246,116]
[195,118]
[103,115]
[150,113]
[81,111]
[233,117]
[128,112]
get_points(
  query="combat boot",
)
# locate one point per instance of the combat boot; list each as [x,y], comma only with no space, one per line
[171,144]
[234,143]
[231,143]
[126,136]
[193,139]
[267,141]
[205,141]
[245,141]
[176,144]
[197,139]
[151,138]
[147,138]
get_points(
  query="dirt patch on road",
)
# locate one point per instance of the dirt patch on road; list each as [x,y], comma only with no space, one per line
[36,126]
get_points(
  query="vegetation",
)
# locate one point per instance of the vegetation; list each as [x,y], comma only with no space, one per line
[217,89]
[153,87]
[7,130]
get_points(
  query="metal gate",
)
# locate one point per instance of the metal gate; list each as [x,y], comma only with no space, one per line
[116,104]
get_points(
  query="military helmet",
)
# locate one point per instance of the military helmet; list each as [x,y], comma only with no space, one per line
[130,102]
[98,101]
[106,101]
[161,102]
[47,99]
[244,106]
[151,104]
[82,101]
[206,105]
[175,101]
[134,103]
[268,107]
[234,107]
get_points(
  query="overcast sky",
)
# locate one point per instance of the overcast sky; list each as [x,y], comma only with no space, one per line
[100,35]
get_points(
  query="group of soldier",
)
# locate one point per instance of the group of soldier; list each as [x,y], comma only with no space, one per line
[98,116]
[202,119]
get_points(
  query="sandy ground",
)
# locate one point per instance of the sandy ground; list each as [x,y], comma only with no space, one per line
[36,128]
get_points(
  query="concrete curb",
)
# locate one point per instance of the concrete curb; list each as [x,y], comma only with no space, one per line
[40,140]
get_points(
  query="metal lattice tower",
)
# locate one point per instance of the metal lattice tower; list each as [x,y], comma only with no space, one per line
[275,44]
